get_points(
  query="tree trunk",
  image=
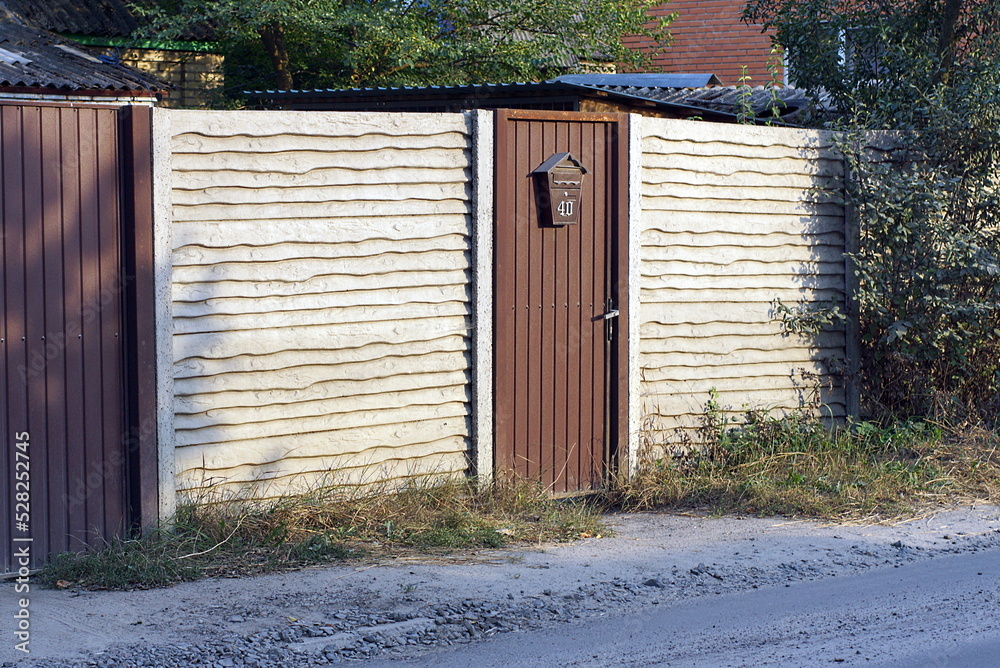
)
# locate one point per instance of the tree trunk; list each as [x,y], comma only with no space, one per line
[273,37]
[948,40]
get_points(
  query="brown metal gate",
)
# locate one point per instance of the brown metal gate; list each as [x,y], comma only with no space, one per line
[75,252]
[560,378]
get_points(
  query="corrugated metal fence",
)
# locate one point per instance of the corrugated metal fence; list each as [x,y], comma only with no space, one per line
[65,335]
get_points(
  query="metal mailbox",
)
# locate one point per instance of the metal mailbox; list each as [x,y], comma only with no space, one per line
[559,189]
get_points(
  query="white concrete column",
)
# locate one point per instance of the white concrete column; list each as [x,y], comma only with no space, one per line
[163,250]
[634,250]
[482,273]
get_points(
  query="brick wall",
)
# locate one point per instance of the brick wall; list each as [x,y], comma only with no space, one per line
[710,37]
[195,75]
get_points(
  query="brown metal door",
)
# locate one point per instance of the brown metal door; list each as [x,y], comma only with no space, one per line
[560,364]
[63,405]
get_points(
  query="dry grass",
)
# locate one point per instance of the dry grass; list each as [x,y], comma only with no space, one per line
[792,466]
[224,535]
[796,466]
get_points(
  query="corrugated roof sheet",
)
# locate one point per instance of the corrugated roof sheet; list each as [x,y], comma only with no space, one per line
[97,18]
[692,93]
[34,58]
[403,90]
[83,17]
[643,80]
[725,99]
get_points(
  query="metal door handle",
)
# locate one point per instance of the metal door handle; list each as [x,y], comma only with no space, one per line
[610,314]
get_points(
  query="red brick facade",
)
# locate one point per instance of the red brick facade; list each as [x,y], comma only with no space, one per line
[710,37]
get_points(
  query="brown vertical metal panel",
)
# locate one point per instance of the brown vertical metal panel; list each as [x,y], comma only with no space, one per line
[519,273]
[88,495]
[601,406]
[553,377]
[54,329]
[535,463]
[545,279]
[592,283]
[15,408]
[62,331]
[574,324]
[598,450]
[560,351]
[34,263]
[109,269]
[592,370]
[69,132]
[140,330]
[5,472]
[621,286]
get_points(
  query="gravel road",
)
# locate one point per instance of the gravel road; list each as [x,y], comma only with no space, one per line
[940,612]
[665,588]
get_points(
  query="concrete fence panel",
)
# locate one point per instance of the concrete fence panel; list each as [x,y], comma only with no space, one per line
[734,218]
[321,299]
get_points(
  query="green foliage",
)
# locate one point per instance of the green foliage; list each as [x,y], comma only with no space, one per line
[929,281]
[808,317]
[800,465]
[364,43]
[881,56]
[928,262]
[915,89]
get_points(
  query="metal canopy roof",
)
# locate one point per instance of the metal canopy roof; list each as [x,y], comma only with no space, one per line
[642,80]
[690,94]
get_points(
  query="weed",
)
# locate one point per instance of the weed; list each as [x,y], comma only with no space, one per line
[220,534]
[745,113]
[122,564]
[797,464]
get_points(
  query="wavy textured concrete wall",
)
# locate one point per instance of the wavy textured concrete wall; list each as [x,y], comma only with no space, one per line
[320,296]
[734,217]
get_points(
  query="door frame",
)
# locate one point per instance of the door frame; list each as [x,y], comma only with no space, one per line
[624,385]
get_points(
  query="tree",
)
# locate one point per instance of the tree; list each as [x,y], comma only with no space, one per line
[881,55]
[915,88]
[364,43]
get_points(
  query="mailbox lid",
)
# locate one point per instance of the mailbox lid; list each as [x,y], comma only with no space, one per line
[563,161]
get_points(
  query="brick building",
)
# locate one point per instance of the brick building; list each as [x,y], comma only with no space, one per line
[710,36]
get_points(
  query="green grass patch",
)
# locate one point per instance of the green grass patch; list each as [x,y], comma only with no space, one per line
[796,465]
[121,564]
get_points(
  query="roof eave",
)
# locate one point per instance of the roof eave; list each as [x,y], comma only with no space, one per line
[20,88]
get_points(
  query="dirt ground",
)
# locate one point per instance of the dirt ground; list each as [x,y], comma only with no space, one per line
[405,606]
